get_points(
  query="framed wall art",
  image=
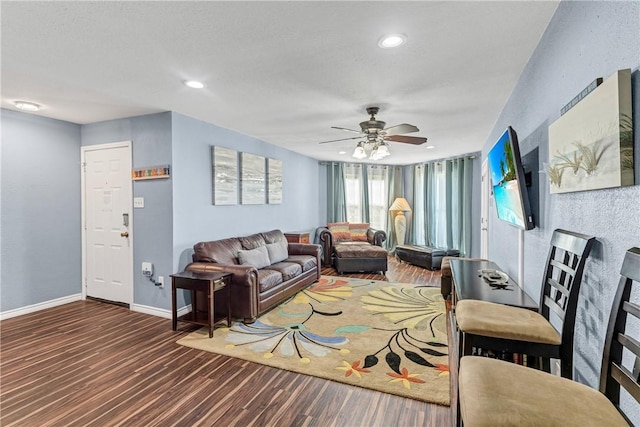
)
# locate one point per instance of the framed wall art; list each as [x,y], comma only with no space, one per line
[253,179]
[591,145]
[274,181]
[224,169]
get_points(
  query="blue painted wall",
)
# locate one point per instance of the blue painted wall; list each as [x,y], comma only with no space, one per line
[41,239]
[196,219]
[584,40]
[153,224]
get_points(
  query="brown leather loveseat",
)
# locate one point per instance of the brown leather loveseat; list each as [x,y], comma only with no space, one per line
[266,270]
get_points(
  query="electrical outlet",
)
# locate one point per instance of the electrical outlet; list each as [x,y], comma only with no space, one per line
[147,269]
[161,281]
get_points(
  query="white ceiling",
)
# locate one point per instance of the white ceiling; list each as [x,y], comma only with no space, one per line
[282,72]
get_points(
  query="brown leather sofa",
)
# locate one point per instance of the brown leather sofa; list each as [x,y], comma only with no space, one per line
[354,256]
[256,290]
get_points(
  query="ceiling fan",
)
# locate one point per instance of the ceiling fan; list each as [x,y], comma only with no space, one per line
[373,134]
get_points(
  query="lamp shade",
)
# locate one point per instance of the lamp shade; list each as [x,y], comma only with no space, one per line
[400,204]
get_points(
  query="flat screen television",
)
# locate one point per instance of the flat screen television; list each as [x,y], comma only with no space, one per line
[507,179]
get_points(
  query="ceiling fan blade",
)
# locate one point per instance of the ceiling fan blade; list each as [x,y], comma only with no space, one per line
[343,139]
[401,129]
[406,139]
[345,129]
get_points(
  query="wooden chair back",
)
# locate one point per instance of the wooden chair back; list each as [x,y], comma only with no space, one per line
[613,375]
[561,285]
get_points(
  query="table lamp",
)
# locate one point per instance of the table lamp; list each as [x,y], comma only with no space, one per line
[400,205]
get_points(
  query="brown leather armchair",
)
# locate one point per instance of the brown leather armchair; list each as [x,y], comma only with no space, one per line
[358,256]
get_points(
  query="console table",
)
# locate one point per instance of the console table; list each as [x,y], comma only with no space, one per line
[469,284]
[200,282]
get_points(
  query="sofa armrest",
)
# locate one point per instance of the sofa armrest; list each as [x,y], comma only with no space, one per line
[308,249]
[243,275]
[376,237]
[326,240]
[304,249]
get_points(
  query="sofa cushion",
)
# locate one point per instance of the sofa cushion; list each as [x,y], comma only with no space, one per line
[273,236]
[358,232]
[307,262]
[278,251]
[268,279]
[258,257]
[251,242]
[223,251]
[289,270]
[340,231]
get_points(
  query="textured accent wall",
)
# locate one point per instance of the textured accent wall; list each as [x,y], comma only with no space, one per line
[41,243]
[584,40]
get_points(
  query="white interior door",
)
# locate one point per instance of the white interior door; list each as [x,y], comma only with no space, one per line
[107,235]
[484,208]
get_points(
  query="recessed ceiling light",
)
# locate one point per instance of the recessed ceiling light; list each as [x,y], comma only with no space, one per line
[429,147]
[26,106]
[392,40]
[195,84]
[342,152]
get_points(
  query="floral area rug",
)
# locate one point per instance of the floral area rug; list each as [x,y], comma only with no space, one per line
[389,337]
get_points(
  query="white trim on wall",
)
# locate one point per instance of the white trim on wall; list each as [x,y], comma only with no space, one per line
[159,312]
[40,306]
[153,311]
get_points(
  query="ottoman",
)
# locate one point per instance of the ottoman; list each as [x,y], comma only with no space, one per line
[356,257]
[424,256]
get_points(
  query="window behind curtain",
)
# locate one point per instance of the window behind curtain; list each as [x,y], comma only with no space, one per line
[373,188]
[378,188]
[440,189]
[353,190]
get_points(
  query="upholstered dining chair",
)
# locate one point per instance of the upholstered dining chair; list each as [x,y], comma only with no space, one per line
[502,328]
[497,393]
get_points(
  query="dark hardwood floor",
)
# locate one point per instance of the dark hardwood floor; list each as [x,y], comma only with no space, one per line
[90,363]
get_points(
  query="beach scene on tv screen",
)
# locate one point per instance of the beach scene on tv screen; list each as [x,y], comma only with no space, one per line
[504,181]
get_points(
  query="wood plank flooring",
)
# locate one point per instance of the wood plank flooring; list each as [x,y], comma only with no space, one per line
[89,363]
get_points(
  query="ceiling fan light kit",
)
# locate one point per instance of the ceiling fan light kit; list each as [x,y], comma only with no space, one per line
[373,135]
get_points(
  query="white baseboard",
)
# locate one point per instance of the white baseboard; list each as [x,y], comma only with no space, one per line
[40,306]
[159,312]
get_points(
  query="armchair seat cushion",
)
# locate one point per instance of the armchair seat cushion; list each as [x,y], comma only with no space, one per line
[502,321]
[498,393]
[358,250]
[268,279]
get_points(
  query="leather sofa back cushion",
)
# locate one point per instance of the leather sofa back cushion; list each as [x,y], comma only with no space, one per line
[358,232]
[340,231]
[251,242]
[258,257]
[277,251]
[273,236]
[223,251]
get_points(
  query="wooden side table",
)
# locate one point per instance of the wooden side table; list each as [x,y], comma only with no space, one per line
[297,236]
[205,282]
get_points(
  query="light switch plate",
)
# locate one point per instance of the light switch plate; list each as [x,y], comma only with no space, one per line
[138,202]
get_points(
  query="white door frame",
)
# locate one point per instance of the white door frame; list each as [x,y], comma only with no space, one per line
[485,192]
[83,226]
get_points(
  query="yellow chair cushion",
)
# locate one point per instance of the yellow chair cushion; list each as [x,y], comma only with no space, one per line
[502,321]
[497,393]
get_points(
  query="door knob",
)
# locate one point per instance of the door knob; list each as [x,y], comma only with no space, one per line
[124,234]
